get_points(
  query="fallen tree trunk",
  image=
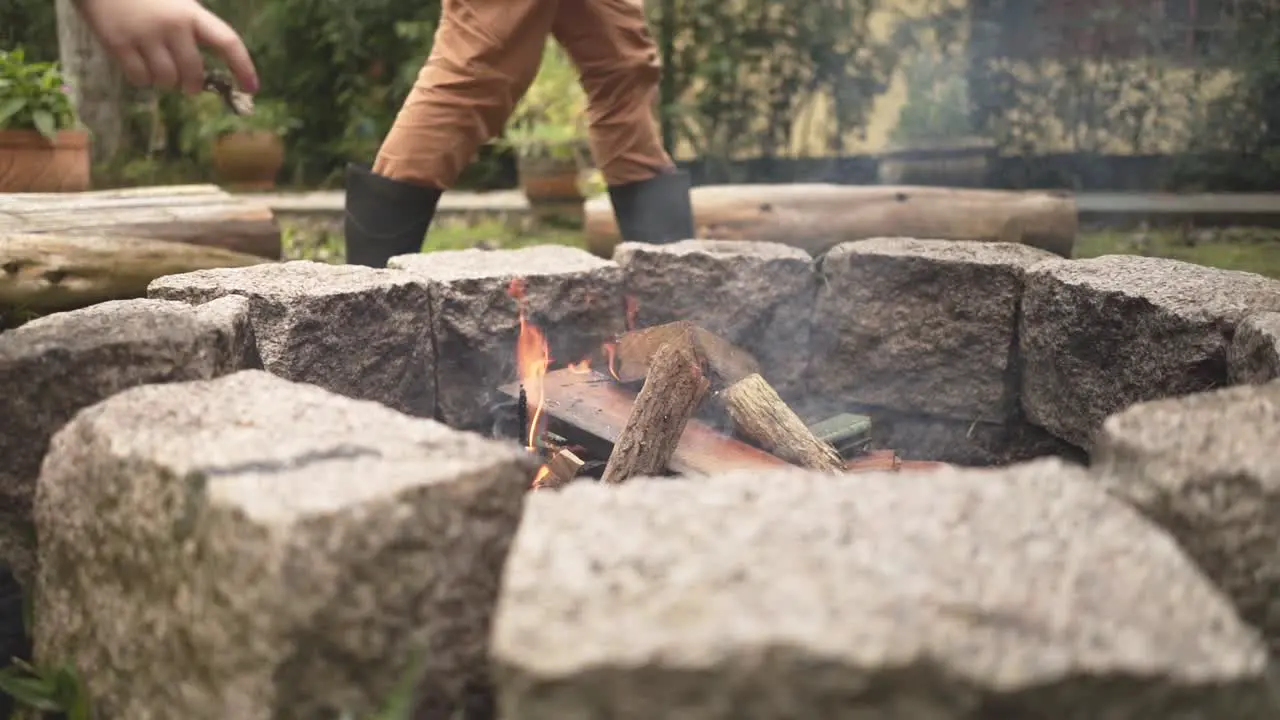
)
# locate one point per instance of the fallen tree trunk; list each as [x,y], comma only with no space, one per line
[52,273]
[202,215]
[817,217]
[672,391]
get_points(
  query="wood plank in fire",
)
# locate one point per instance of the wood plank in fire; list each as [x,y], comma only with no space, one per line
[594,404]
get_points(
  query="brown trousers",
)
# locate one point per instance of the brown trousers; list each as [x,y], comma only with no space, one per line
[485,56]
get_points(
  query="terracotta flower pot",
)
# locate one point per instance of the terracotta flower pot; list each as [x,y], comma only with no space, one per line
[30,162]
[549,179]
[248,160]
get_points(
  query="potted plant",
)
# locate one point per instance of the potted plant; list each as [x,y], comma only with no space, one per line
[934,142]
[43,146]
[246,151]
[548,133]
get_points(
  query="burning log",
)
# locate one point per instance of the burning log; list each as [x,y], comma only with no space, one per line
[589,408]
[755,408]
[760,414]
[560,471]
[634,351]
[674,387]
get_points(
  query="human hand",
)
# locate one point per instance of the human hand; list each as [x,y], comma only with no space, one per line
[157,42]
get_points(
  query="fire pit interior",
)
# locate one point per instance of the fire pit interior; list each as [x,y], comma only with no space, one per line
[710,356]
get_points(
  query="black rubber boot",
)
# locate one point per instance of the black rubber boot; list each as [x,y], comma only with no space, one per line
[655,211]
[384,217]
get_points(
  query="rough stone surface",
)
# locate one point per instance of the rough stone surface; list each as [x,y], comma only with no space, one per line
[571,295]
[356,331]
[758,296]
[923,326]
[257,549]
[1025,592]
[1099,335]
[54,366]
[1207,467]
[1254,356]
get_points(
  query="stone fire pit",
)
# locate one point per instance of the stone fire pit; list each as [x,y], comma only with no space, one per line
[262,494]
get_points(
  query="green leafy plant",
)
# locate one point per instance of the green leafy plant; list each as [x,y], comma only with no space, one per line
[209,120]
[937,106]
[33,96]
[57,690]
[550,120]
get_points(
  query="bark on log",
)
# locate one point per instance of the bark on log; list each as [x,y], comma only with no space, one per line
[761,415]
[635,350]
[816,217]
[52,273]
[193,214]
[672,391]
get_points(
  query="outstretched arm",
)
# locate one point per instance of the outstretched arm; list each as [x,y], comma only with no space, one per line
[157,42]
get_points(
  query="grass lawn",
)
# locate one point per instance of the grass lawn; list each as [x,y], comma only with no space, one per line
[1238,248]
[1250,249]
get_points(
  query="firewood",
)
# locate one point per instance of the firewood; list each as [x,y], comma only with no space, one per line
[590,409]
[634,352]
[561,470]
[673,389]
[760,414]
[875,461]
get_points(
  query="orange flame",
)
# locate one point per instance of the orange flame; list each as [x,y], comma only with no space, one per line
[532,359]
[543,473]
[632,307]
[611,353]
[582,367]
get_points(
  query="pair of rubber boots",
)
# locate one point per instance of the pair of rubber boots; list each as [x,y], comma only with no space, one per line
[386,217]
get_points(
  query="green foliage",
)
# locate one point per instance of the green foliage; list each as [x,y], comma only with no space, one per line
[207,120]
[57,690]
[937,106]
[550,120]
[743,71]
[31,25]
[1236,141]
[343,68]
[33,95]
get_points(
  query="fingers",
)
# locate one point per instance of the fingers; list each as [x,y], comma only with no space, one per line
[134,67]
[164,73]
[210,30]
[187,59]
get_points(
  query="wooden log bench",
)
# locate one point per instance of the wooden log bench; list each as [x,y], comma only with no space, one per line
[61,251]
[816,217]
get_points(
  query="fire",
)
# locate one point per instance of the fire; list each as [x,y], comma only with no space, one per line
[533,359]
[533,356]
[611,353]
[632,307]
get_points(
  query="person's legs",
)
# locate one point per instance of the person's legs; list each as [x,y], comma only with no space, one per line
[485,55]
[609,41]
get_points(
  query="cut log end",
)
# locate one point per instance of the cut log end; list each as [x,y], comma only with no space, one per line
[675,385]
[562,469]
